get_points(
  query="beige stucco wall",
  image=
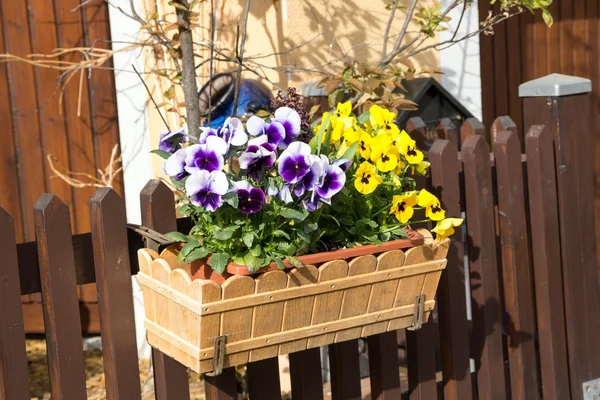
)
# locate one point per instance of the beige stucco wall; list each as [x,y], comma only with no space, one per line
[291,42]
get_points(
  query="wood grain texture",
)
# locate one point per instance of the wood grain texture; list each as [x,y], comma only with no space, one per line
[384,374]
[14,382]
[383,294]
[298,312]
[454,327]
[263,378]
[327,306]
[353,302]
[345,370]
[545,243]
[519,303]
[268,318]
[59,294]
[487,336]
[111,260]
[305,374]
[237,325]
[210,325]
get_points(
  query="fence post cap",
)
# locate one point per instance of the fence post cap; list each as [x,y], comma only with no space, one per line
[555,85]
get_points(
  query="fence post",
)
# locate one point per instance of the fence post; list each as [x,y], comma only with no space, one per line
[562,104]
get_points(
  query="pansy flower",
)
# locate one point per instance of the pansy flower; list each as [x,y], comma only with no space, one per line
[171,141]
[383,154]
[294,162]
[402,206]
[312,177]
[232,132]
[445,227]
[175,165]
[274,131]
[383,119]
[433,208]
[284,194]
[366,178]
[250,198]
[408,149]
[421,168]
[206,188]
[290,119]
[208,156]
[332,181]
[364,145]
[260,156]
[343,109]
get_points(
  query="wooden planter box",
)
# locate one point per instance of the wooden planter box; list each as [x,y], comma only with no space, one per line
[207,326]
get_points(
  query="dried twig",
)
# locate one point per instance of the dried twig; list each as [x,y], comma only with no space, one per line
[151,98]
[105,179]
[386,35]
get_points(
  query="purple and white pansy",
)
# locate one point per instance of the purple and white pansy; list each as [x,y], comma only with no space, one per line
[207,188]
[293,175]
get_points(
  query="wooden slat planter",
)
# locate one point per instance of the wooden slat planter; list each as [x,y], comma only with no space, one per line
[281,312]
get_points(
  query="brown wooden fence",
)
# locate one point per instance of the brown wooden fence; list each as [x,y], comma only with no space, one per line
[533,305]
[80,131]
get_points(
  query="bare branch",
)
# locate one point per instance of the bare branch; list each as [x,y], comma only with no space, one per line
[462,14]
[386,35]
[395,50]
[151,98]
[240,56]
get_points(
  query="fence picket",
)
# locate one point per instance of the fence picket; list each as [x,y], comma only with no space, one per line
[13,358]
[60,302]
[384,373]
[305,375]
[487,333]
[344,370]
[158,213]
[519,317]
[454,328]
[546,262]
[503,124]
[115,297]
[420,343]
[447,130]
[471,127]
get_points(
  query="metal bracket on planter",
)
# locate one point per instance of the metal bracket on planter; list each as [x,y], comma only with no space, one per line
[218,356]
[150,234]
[419,314]
[591,389]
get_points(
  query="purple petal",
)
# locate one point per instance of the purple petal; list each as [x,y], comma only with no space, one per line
[290,119]
[275,132]
[332,183]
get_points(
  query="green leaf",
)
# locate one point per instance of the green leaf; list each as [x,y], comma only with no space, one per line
[279,262]
[294,214]
[187,249]
[287,248]
[248,238]
[347,74]
[294,261]
[335,97]
[363,118]
[180,237]
[370,238]
[351,152]
[256,250]
[385,236]
[280,233]
[327,140]
[310,227]
[253,262]
[224,234]
[196,254]
[232,199]
[161,153]
[185,209]
[304,236]
[399,232]
[218,262]
[319,138]
[331,217]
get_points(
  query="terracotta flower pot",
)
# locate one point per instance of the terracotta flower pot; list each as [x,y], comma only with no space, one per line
[200,269]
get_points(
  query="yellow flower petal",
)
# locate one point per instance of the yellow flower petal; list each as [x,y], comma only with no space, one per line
[343,109]
[402,206]
[366,178]
[445,227]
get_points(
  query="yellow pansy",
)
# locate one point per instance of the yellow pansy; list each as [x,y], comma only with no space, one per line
[352,134]
[364,145]
[402,206]
[408,149]
[402,164]
[338,126]
[445,227]
[421,168]
[343,109]
[366,178]
[383,119]
[383,154]
[433,208]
